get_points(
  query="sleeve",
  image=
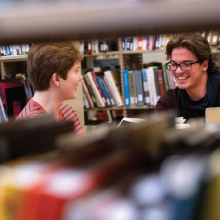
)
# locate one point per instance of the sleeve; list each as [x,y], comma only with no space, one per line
[69,113]
[166,102]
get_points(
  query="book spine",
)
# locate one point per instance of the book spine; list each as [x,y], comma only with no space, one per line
[170,79]
[98,97]
[113,88]
[81,46]
[2,106]
[85,77]
[85,100]
[126,87]
[140,92]
[87,94]
[144,43]
[131,87]
[103,91]
[94,76]
[131,43]
[135,88]
[156,83]
[152,88]
[160,82]
[140,43]
[123,44]
[127,40]
[165,77]
[135,43]
[146,87]
[89,46]
[113,102]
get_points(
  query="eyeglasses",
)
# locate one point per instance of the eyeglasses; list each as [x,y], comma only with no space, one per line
[183,66]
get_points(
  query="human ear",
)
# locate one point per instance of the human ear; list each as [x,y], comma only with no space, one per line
[56,79]
[205,65]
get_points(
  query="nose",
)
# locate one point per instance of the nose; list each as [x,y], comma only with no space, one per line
[80,77]
[179,70]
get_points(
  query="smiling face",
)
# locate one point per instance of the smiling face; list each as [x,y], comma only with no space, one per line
[194,78]
[68,87]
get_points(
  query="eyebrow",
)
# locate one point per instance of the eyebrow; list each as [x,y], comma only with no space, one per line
[183,61]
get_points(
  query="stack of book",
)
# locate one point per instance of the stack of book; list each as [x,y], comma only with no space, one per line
[144,87]
[101,89]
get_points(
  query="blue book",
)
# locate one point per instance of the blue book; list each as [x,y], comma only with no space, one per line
[123,41]
[108,92]
[126,87]
[104,92]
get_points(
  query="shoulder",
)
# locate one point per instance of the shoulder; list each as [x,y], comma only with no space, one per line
[169,100]
[67,111]
[32,109]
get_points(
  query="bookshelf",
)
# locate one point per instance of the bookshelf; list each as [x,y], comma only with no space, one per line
[124,60]
[12,64]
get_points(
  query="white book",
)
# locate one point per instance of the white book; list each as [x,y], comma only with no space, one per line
[96,93]
[14,50]
[23,49]
[152,83]
[150,86]
[3,111]
[85,100]
[135,43]
[144,46]
[113,88]
[27,47]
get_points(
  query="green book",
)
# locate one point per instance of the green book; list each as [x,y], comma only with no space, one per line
[131,88]
[164,68]
[156,82]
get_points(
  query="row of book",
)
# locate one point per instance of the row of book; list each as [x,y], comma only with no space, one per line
[97,46]
[144,87]
[160,41]
[150,42]
[14,49]
[101,89]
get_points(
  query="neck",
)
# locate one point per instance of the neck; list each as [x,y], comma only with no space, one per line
[198,92]
[48,101]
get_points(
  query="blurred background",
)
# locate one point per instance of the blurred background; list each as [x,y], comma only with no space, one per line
[146,170]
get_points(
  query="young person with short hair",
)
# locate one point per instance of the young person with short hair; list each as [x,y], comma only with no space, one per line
[195,72]
[53,70]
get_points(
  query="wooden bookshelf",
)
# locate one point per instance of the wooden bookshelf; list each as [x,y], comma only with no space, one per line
[102,54]
[119,108]
[142,51]
[13,58]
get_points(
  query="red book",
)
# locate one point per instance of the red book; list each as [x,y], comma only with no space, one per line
[87,94]
[89,46]
[94,75]
[160,80]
